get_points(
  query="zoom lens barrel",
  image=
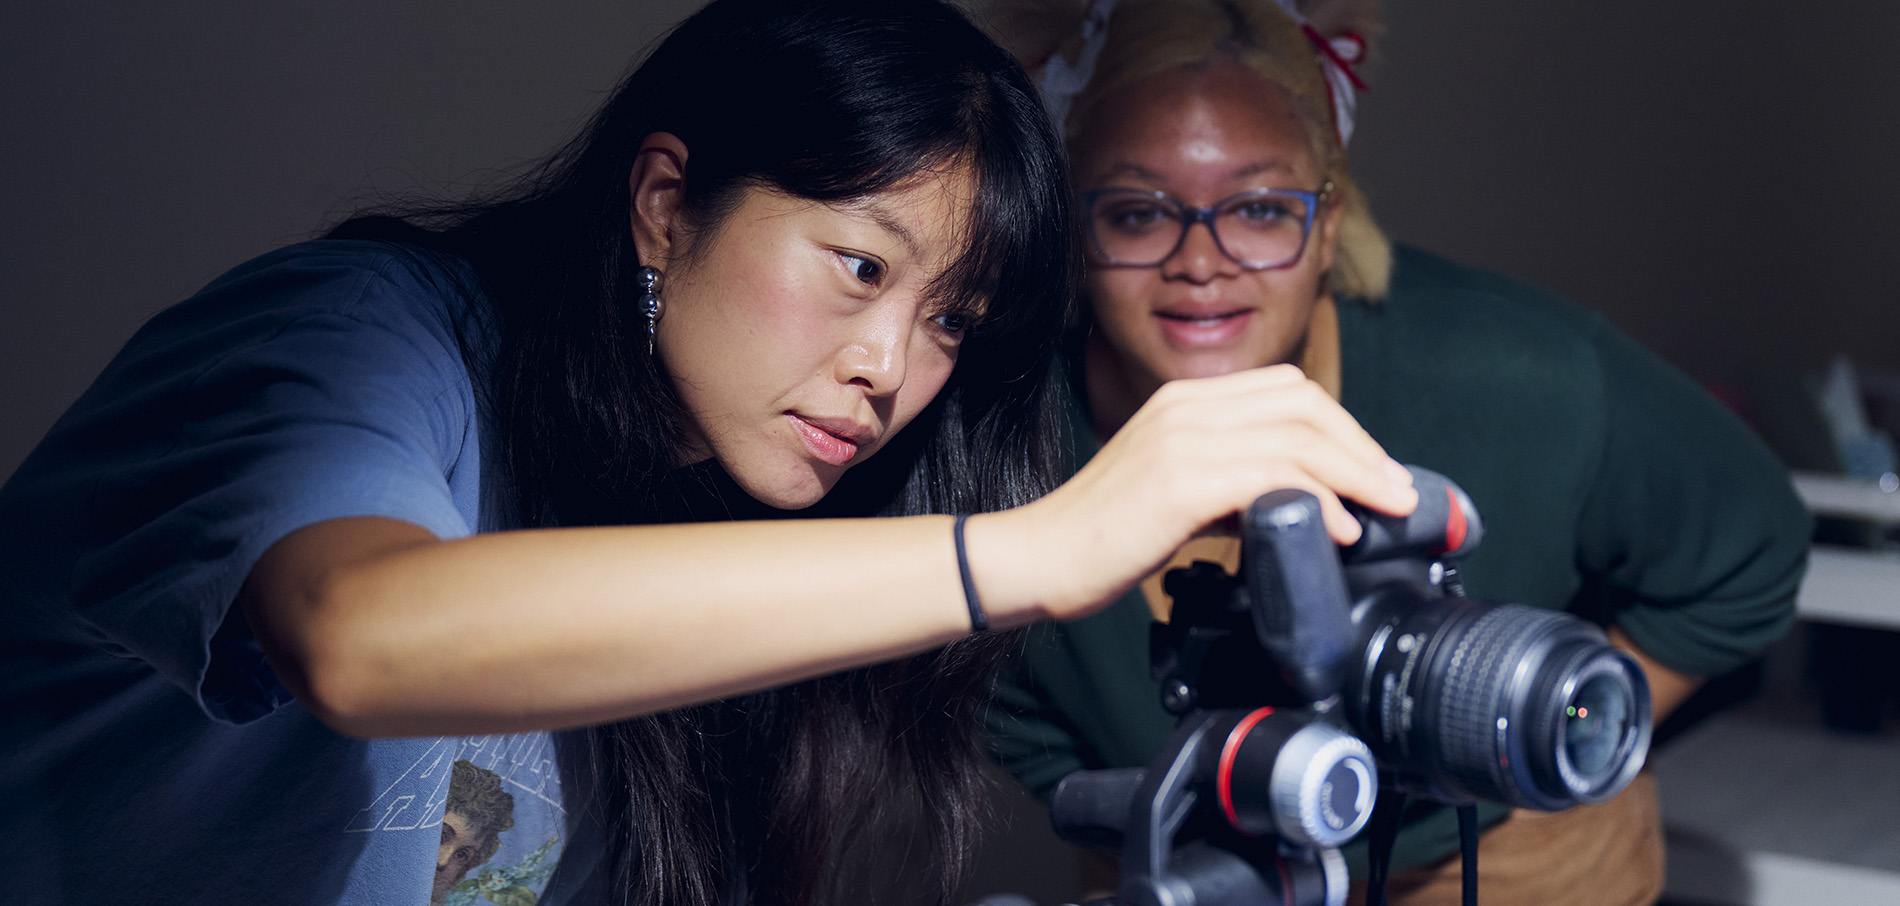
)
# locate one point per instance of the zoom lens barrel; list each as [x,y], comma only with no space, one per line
[1470,699]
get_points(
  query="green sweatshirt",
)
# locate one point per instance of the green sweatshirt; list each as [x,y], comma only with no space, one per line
[1608,482]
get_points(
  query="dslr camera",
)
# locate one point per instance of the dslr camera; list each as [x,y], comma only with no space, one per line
[1320,675]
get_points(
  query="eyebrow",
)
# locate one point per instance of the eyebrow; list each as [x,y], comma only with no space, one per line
[1129,168]
[884,218]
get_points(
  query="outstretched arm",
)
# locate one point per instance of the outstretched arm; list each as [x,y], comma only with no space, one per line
[381,628]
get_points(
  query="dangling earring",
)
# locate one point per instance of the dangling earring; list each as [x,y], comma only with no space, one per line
[649,303]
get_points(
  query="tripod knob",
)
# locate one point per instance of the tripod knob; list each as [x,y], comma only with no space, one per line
[1283,773]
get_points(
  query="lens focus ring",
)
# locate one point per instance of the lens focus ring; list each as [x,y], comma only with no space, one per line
[1474,700]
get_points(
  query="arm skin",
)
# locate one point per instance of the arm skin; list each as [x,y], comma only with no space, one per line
[1668,688]
[380,628]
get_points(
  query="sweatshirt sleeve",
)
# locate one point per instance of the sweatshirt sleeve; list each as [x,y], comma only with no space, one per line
[1691,526]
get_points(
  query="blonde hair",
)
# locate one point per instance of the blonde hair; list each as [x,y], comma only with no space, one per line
[1148,37]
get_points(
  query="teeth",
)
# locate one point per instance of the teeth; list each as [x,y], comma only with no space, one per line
[1207,321]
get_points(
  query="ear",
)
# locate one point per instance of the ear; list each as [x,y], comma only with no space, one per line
[1326,229]
[656,188]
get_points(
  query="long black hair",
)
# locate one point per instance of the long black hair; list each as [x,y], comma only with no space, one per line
[767,797]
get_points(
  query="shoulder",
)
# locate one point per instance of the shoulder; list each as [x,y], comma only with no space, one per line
[1473,335]
[1468,305]
[317,337]
[396,307]
[363,279]
[1497,384]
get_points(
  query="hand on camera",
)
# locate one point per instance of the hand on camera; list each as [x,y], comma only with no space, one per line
[1195,454]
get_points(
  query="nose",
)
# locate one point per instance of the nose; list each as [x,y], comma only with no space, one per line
[1199,258]
[877,351]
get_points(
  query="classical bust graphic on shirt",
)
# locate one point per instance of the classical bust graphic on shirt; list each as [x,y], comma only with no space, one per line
[478,811]
[494,801]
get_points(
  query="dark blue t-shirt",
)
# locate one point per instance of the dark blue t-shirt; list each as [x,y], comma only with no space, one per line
[148,753]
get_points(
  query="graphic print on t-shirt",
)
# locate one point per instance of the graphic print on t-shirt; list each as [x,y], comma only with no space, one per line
[496,801]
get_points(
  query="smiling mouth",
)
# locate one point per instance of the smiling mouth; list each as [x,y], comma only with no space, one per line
[1201,320]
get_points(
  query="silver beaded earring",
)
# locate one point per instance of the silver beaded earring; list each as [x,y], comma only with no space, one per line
[649,303]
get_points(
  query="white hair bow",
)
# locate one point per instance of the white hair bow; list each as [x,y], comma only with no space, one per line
[1337,56]
[1062,80]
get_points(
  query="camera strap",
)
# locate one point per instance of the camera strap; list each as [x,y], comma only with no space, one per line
[1468,850]
[1385,831]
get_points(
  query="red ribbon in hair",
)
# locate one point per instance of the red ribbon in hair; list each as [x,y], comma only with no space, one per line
[1330,50]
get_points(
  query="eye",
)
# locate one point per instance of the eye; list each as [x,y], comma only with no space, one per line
[957,319]
[1134,216]
[1263,210]
[955,323]
[868,270]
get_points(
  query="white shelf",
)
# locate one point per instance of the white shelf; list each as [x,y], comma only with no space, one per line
[1852,498]
[1766,813]
[1851,586]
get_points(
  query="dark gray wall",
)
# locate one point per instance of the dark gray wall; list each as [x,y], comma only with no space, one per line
[1718,183]
[1718,178]
[146,148]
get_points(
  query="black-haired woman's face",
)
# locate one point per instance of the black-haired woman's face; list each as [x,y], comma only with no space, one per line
[802,336]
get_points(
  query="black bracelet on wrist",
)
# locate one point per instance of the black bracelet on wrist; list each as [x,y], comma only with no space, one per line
[979,621]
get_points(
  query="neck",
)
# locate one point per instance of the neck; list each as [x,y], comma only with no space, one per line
[1113,386]
[1319,355]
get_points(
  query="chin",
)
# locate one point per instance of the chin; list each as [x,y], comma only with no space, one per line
[790,492]
[1204,366]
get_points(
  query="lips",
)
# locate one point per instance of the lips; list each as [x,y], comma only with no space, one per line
[1203,326]
[832,440]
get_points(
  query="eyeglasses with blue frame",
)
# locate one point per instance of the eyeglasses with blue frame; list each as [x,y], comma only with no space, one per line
[1257,229]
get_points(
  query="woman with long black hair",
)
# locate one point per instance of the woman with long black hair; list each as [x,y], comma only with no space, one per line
[459,532]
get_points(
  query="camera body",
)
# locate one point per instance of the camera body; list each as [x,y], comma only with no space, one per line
[1319,673]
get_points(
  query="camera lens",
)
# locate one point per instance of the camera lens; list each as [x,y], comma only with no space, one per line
[1601,732]
[1595,720]
[1471,699]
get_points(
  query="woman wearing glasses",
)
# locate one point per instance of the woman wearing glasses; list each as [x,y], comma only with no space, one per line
[1225,233]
